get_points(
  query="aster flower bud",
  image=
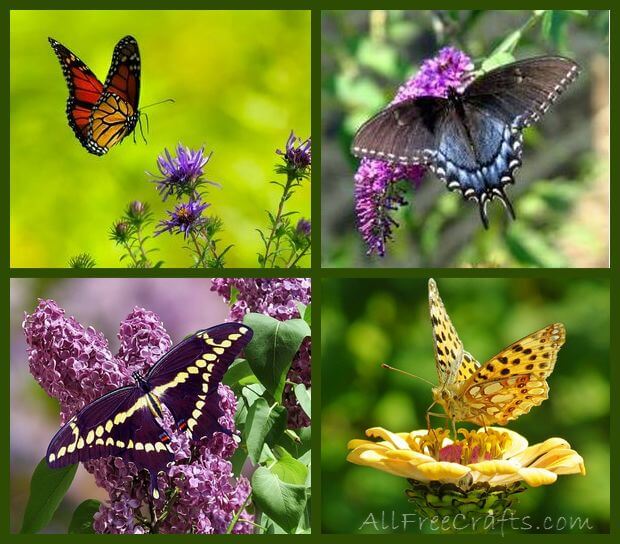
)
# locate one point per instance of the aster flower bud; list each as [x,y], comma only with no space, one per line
[120,231]
[304,227]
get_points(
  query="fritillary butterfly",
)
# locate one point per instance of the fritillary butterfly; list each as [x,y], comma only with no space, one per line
[506,386]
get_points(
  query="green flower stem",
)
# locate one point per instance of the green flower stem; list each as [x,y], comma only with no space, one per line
[209,246]
[165,512]
[274,227]
[299,256]
[199,252]
[235,518]
[130,253]
[145,259]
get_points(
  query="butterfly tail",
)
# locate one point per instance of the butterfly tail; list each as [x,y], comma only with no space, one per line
[153,486]
[484,200]
[503,198]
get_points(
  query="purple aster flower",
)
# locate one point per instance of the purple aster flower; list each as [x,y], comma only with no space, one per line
[277,298]
[186,218]
[181,174]
[74,364]
[297,156]
[376,194]
[304,227]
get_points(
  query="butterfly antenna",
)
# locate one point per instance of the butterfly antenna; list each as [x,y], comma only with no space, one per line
[157,103]
[146,117]
[388,367]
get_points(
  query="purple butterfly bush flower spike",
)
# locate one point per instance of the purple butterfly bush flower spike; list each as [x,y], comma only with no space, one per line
[74,364]
[376,193]
[186,218]
[276,298]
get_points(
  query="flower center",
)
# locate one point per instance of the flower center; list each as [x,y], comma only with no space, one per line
[473,447]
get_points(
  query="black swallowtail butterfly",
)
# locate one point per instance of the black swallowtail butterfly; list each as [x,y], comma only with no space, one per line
[472,141]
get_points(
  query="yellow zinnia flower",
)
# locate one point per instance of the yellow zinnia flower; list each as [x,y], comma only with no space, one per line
[481,470]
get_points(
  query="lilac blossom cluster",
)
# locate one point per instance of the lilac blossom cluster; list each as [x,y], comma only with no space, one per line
[74,364]
[377,195]
[276,298]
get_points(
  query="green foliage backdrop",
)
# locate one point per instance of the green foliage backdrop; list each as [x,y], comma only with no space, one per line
[241,82]
[390,323]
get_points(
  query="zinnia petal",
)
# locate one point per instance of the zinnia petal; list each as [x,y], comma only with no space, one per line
[443,471]
[398,440]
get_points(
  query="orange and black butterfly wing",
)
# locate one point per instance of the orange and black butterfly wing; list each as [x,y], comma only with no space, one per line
[84,93]
[124,75]
[116,113]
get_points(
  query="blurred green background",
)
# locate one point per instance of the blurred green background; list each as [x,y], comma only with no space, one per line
[561,195]
[240,81]
[390,323]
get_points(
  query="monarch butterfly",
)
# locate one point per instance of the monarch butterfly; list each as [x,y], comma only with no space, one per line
[101,115]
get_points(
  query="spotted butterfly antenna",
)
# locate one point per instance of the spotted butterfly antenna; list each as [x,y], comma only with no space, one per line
[388,367]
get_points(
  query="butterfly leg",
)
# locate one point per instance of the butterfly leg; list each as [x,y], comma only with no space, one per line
[146,118]
[484,425]
[428,419]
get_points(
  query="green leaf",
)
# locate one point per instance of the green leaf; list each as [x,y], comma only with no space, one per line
[304,399]
[234,292]
[273,346]
[288,469]
[263,424]
[508,44]
[239,374]
[283,503]
[495,60]
[248,397]
[47,489]
[582,12]
[301,308]
[307,315]
[82,520]
[554,26]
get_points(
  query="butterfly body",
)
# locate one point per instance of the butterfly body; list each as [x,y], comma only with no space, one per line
[471,140]
[126,422]
[102,114]
[506,386]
